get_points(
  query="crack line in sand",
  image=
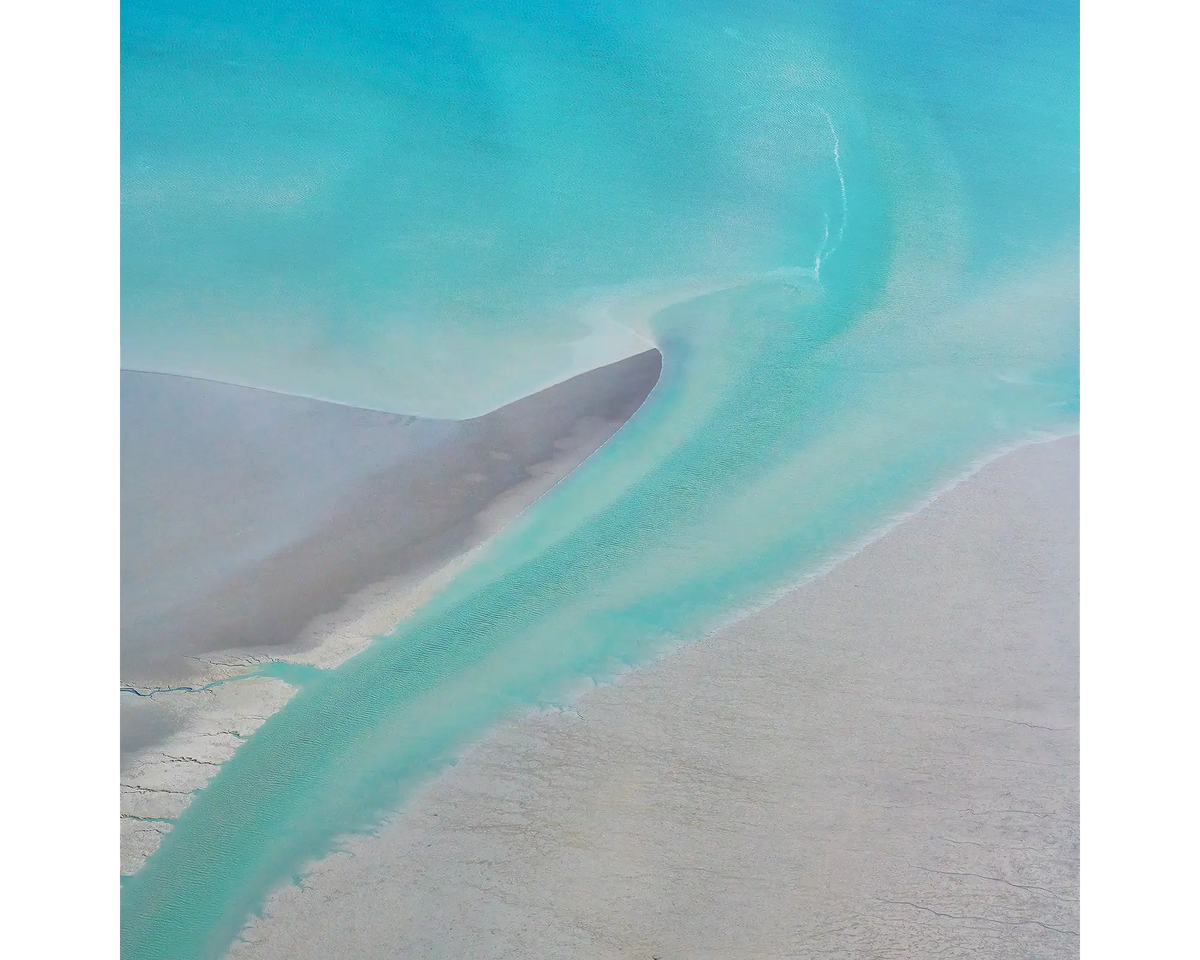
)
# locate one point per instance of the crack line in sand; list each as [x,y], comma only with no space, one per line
[980,876]
[954,916]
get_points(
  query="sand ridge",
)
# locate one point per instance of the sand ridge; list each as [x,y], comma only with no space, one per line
[262,529]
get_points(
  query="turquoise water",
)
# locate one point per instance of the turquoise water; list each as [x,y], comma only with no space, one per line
[851,228]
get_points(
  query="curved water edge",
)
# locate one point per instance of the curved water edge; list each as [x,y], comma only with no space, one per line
[647,544]
[818,378]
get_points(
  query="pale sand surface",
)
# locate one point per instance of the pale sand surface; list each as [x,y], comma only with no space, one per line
[205,729]
[260,527]
[883,763]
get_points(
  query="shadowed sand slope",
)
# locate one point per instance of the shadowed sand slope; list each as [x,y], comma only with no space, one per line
[248,515]
[257,526]
[882,763]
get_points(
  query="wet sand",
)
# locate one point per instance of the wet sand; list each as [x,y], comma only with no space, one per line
[247,515]
[257,527]
[882,763]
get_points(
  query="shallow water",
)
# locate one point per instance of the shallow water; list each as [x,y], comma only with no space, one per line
[852,230]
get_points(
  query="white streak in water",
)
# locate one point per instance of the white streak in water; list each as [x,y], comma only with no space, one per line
[822,253]
[821,250]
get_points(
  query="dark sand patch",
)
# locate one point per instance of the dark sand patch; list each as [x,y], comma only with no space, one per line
[248,515]
[258,526]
